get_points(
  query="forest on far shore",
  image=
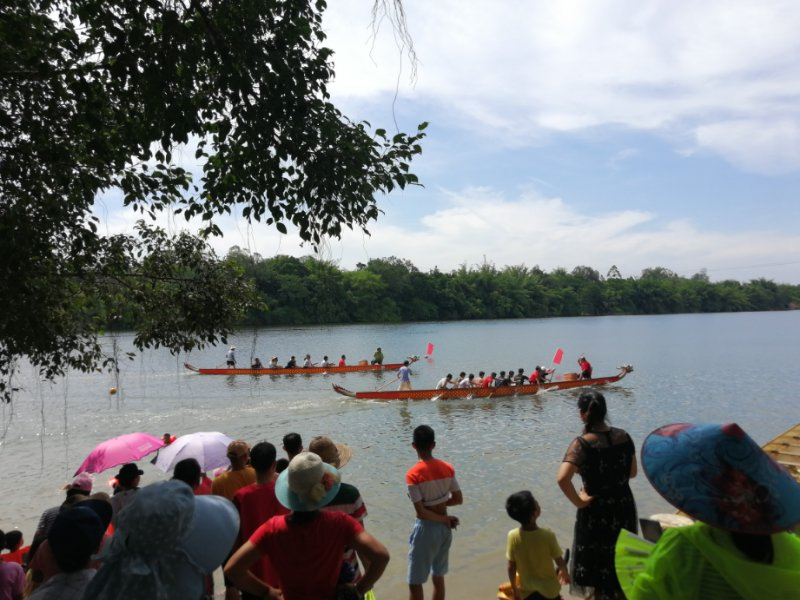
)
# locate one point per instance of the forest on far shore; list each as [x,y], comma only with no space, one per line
[308,291]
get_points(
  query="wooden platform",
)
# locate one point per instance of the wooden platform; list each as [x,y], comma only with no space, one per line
[785,449]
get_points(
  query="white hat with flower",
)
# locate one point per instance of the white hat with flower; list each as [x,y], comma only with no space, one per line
[307,484]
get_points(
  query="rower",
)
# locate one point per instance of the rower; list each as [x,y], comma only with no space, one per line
[257,364]
[445,382]
[586,367]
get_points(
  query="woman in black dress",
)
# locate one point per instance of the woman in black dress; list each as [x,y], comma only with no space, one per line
[605,458]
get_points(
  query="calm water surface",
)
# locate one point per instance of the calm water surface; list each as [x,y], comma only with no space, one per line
[713,368]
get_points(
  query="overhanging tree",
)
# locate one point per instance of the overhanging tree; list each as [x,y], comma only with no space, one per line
[99,96]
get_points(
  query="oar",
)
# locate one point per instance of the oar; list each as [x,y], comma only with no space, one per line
[385,384]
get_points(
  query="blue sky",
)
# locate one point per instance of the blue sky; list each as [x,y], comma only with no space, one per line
[627,133]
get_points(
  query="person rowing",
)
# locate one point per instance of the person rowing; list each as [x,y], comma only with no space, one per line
[541,374]
[520,378]
[586,367]
[445,382]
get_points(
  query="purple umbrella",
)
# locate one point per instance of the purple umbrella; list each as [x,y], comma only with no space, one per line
[120,450]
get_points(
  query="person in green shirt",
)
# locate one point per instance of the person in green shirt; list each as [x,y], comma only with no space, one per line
[377,358]
[744,505]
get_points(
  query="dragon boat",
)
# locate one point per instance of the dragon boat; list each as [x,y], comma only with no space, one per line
[361,366]
[481,392]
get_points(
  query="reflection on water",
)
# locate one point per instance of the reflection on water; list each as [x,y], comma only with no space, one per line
[687,367]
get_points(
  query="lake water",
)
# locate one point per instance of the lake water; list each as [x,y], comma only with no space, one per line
[715,368]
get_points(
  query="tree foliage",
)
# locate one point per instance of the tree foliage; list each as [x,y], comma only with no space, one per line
[393,290]
[98,96]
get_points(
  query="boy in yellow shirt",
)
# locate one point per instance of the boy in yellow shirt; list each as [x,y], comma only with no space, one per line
[531,552]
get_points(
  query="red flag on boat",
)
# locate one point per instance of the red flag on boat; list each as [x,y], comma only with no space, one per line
[430,349]
[558,356]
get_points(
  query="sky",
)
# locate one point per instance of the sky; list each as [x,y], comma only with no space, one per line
[632,133]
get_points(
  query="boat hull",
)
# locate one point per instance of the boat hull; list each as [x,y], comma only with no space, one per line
[296,371]
[480,392]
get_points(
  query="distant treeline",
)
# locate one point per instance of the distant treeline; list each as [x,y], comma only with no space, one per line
[307,291]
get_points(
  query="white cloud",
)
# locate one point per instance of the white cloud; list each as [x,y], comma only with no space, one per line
[762,146]
[521,69]
[475,225]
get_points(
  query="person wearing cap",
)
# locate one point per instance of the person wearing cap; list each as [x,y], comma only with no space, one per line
[744,504]
[230,357]
[238,475]
[585,366]
[257,504]
[128,480]
[305,537]
[307,362]
[75,536]
[348,500]
[42,566]
[164,544]
[605,459]
[540,374]
[81,485]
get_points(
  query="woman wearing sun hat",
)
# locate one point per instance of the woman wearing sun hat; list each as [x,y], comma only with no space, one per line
[744,504]
[306,546]
[166,541]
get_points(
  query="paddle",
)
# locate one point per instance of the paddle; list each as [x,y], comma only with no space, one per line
[385,384]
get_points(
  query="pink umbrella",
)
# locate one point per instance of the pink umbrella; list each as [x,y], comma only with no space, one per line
[120,450]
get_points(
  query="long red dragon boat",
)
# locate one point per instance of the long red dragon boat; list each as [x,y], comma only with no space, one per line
[299,370]
[481,392]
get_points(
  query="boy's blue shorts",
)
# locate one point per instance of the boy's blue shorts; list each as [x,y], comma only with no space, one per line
[428,551]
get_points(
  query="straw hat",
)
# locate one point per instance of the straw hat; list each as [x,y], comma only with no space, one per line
[307,484]
[718,475]
[330,452]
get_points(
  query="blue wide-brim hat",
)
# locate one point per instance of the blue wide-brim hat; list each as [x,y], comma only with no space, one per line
[718,475]
[298,486]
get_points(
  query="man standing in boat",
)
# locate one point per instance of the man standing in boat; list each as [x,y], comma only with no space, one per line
[404,375]
[230,357]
